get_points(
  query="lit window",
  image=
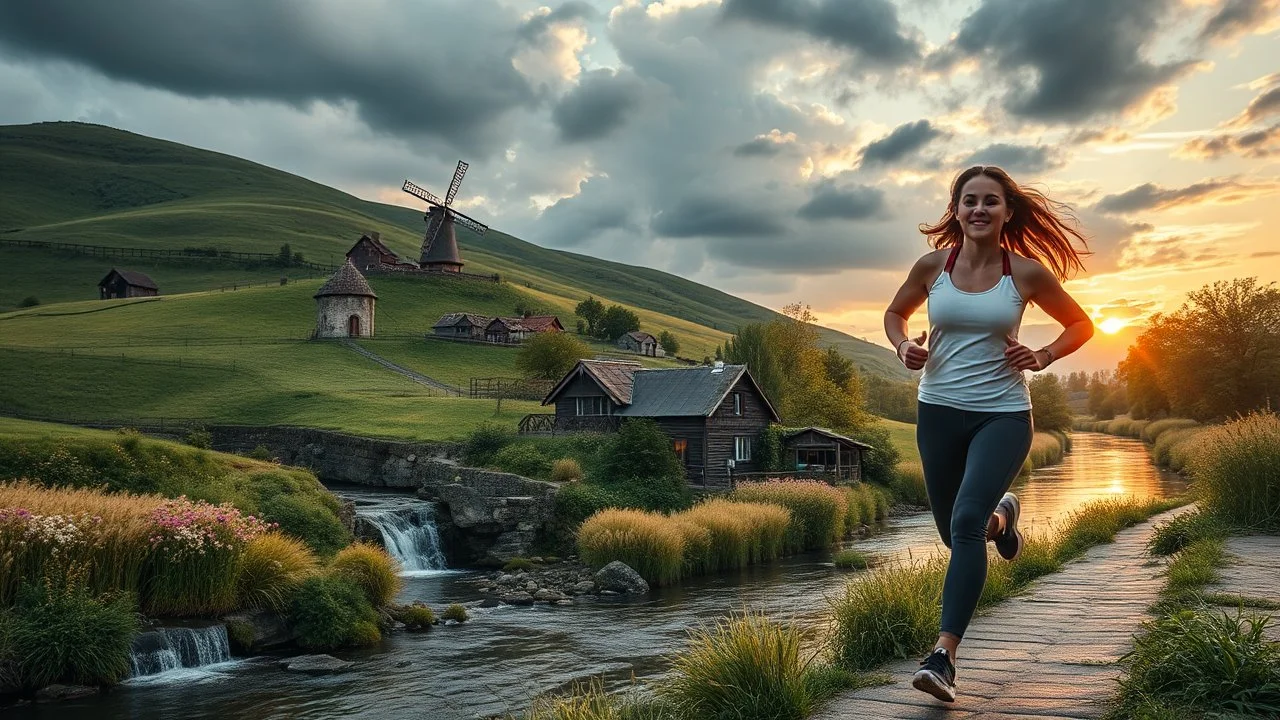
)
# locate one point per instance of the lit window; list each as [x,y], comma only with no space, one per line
[681,447]
[742,449]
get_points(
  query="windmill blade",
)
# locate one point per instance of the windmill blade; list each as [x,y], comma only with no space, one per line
[471,224]
[433,231]
[457,182]
[423,193]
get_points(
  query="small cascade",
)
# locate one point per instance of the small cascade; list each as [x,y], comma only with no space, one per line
[408,530]
[173,648]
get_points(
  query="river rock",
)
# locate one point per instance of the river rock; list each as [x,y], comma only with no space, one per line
[548,595]
[584,587]
[54,693]
[490,602]
[531,586]
[564,602]
[253,630]
[518,598]
[315,664]
[619,577]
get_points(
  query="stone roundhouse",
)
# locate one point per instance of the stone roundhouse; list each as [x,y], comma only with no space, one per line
[345,305]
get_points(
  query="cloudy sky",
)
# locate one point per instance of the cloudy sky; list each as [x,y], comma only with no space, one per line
[780,150]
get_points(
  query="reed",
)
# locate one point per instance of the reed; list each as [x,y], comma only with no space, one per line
[818,510]
[1175,446]
[1236,471]
[908,485]
[372,569]
[649,542]
[1156,428]
[742,533]
[271,569]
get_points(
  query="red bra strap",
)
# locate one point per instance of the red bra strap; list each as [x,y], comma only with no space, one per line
[951,259]
[1004,255]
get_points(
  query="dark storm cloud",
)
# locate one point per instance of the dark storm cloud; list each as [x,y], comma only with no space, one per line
[401,69]
[709,216]
[1237,17]
[1069,59]
[597,208]
[597,106]
[1017,158]
[867,27]
[854,202]
[904,140]
[568,12]
[1149,196]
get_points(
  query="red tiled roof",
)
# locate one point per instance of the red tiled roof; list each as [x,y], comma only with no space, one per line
[541,323]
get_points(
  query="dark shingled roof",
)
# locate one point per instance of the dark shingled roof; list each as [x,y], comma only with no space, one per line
[133,278]
[451,319]
[347,281]
[828,433]
[681,392]
[541,323]
[641,337]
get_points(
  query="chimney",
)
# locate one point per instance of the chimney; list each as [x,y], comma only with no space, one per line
[719,366]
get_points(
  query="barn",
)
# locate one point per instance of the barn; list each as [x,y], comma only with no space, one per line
[126,284]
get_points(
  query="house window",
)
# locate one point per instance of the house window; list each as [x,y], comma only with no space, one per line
[592,406]
[681,447]
[742,448]
[737,403]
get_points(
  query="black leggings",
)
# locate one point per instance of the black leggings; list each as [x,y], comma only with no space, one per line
[970,459]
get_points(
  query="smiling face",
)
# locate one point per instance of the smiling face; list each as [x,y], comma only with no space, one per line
[981,209]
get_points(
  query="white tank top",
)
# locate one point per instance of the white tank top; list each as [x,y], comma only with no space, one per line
[967,368]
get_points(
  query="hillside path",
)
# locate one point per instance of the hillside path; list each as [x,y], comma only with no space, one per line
[414,376]
[1048,654]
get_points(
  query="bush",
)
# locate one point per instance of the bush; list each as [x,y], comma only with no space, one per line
[330,612]
[484,442]
[60,632]
[29,301]
[456,613]
[1175,446]
[744,667]
[1236,471]
[371,569]
[1183,530]
[522,459]
[851,560]
[516,564]
[648,542]
[261,452]
[304,517]
[891,613]
[565,470]
[878,464]
[640,449]
[1201,662]
[1155,429]
[818,511]
[741,533]
[417,616]
[271,570]
[200,438]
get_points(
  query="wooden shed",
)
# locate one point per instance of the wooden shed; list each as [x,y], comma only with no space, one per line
[126,284]
[821,451]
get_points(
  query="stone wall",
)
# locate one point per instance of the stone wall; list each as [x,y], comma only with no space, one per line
[485,516]
[333,312]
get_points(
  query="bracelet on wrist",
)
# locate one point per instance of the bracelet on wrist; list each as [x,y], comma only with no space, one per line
[899,350]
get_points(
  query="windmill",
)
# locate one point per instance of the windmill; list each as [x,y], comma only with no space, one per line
[440,244]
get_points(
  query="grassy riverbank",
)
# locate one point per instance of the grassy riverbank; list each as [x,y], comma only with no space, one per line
[97,527]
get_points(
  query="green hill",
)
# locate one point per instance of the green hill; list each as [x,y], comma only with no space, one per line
[227,342]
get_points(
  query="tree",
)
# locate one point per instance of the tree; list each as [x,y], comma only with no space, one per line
[1049,403]
[549,356]
[839,368]
[29,301]
[719,353]
[669,342]
[750,347]
[286,255]
[616,322]
[590,310]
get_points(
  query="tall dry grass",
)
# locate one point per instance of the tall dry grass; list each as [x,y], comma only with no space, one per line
[818,510]
[649,542]
[1236,471]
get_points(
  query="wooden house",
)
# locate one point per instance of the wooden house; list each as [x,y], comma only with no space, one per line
[714,415]
[819,451]
[126,284]
[542,323]
[506,330]
[641,343]
[369,253]
[465,326]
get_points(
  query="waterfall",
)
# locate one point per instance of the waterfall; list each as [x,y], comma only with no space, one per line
[172,648]
[408,530]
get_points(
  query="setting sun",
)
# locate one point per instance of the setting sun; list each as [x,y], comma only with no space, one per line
[1111,326]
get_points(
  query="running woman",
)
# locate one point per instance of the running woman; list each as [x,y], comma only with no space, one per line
[998,247]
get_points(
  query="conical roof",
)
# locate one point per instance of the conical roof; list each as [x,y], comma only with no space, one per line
[444,251]
[347,281]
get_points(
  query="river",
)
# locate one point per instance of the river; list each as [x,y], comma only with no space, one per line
[496,662]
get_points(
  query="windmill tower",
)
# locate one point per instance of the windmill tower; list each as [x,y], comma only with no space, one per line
[440,243]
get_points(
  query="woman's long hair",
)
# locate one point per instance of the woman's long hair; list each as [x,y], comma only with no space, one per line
[1040,228]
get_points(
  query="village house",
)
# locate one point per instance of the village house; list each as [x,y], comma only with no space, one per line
[819,451]
[370,254]
[641,343]
[345,305]
[126,284]
[461,326]
[714,415]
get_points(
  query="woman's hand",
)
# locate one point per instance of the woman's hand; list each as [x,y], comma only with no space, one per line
[912,353]
[1021,357]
